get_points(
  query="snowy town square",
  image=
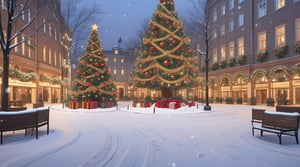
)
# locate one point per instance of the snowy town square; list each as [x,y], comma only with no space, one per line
[131,138]
[149,83]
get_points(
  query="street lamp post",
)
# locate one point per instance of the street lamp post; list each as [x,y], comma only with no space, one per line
[207,106]
[63,68]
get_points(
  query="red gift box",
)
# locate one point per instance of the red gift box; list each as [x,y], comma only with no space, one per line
[73,105]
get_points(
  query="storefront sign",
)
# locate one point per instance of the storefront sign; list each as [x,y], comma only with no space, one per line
[281,85]
[296,82]
[261,85]
[13,82]
[225,89]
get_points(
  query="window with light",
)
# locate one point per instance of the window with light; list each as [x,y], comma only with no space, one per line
[241,46]
[279,4]
[280,35]
[262,41]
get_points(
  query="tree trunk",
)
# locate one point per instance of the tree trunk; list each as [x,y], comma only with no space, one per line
[5,79]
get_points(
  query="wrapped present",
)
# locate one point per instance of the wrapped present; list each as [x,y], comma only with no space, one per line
[148,104]
[134,105]
[86,104]
[73,105]
[103,104]
[142,104]
[93,105]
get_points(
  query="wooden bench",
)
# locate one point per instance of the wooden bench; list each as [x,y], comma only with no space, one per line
[37,105]
[280,123]
[289,109]
[257,117]
[33,118]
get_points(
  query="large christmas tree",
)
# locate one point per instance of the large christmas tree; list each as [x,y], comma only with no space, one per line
[166,59]
[93,81]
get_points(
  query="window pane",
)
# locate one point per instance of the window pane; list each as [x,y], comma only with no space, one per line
[241,46]
[298,30]
[280,35]
[262,41]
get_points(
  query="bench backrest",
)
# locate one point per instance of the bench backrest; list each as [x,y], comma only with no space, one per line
[17,120]
[257,114]
[280,120]
[23,119]
[290,109]
[43,114]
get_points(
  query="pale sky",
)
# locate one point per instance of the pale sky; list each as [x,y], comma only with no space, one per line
[123,17]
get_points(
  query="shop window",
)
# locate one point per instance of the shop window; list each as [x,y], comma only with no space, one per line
[261,78]
[280,76]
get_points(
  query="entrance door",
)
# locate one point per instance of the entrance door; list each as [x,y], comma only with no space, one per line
[121,93]
[166,92]
[261,96]
[297,93]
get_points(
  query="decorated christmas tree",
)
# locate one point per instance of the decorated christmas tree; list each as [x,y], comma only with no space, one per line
[166,60]
[93,81]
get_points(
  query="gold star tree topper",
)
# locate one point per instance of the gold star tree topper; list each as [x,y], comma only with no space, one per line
[95,27]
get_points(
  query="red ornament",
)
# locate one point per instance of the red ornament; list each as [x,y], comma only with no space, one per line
[105,83]
[83,73]
[179,62]
[161,1]
[147,32]
[166,62]
[97,73]
[182,48]
[108,73]
[130,74]
[175,74]
[77,72]
[147,74]
[168,23]
[96,64]
[174,42]
[75,83]
[85,63]
[153,28]
[152,49]
[102,65]
[162,44]
[190,51]
[146,53]
[106,69]
[81,87]
[102,76]
[89,84]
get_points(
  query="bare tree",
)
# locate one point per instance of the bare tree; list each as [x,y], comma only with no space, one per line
[14,10]
[199,31]
[79,17]
[136,40]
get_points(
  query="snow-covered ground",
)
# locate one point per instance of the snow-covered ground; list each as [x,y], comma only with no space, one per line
[129,138]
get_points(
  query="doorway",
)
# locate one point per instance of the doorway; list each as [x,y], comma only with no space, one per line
[297,93]
[166,92]
[261,96]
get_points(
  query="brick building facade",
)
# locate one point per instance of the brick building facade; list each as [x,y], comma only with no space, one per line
[253,51]
[44,57]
